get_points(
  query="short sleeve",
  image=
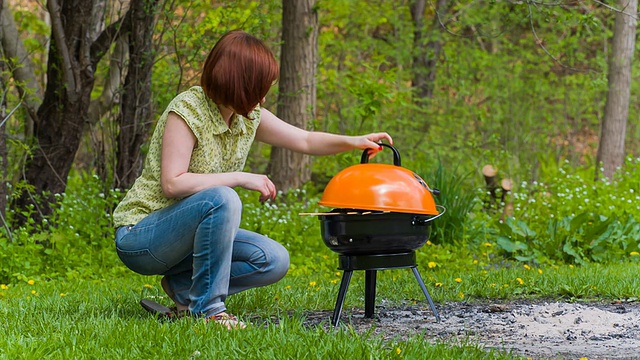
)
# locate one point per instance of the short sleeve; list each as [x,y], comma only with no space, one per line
[192,107]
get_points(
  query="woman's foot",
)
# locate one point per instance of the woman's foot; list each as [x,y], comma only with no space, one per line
[180,309]
[228,320]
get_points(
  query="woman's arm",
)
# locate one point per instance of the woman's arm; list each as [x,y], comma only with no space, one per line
[276,132]
[177,145]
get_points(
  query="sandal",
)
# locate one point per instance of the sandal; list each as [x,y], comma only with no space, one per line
[158,310]
[228,320]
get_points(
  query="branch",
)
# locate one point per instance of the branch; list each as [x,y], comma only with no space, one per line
[539,41]
[634,16]
[22,68]
[10,113]
[58,34]
[101,45]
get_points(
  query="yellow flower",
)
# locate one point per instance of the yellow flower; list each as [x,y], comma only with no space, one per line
[634,253]
[148,286]
[475,262]
[438,284]
[584,358]
[337,273]
[398,351]
[527,267]
[539,271]
[429,242]
[520,281]
[334,281]
[431,264]
[31,282]
[33,292]
[63,294]
[461,295]
[288,287]
[458,280]
[4,287]
[313,283]
[487,244]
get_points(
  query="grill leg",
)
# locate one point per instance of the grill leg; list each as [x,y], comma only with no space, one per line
[369,293]
[426,293]
[344,285]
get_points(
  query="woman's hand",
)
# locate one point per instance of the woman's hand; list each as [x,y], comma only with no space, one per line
[372,142]
[259,183]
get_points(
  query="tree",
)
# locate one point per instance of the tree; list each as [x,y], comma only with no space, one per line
[427,47]
[136,111]
[614,123]
[60,119]
[297,91]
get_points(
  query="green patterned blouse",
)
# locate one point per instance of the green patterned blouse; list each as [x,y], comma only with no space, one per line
[218,149]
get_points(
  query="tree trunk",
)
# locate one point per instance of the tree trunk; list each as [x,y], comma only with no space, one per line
[616,111]
[297,91]
[61,117]
[427,47]
[136,112]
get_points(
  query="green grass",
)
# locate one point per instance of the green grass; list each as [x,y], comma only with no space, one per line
[84,319]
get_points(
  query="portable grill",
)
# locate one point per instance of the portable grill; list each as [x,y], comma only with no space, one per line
[381,215]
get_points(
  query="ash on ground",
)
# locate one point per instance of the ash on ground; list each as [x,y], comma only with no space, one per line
[542,329]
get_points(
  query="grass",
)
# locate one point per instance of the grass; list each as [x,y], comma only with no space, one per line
[85,319]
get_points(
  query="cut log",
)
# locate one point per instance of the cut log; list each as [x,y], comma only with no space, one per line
[507,212]
[506,185]
[490,173]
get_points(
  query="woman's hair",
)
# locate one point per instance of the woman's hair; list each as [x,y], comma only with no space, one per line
[239,71]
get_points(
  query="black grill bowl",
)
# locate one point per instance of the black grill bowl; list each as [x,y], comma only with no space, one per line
[375,233]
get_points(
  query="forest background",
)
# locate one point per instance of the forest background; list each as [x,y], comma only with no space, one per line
[522,86]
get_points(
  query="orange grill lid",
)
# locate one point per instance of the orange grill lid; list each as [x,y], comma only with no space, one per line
[379,187]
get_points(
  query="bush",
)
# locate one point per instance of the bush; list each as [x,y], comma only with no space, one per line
[76,240]
[572,218]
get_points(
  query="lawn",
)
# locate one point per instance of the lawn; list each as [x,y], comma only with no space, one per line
[90,319]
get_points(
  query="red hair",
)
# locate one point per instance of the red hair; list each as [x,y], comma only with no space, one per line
[239,72]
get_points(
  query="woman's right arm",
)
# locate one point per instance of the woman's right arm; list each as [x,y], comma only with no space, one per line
[178,142]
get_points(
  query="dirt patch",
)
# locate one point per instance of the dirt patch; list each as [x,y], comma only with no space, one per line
[556,330]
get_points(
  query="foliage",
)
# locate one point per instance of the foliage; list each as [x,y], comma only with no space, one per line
[570,218]
[72,243]
[514,80]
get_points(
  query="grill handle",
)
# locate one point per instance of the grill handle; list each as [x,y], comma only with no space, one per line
[416,220]
[396,155]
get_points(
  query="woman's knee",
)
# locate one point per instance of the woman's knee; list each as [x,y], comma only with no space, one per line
[221,198]
[279,261]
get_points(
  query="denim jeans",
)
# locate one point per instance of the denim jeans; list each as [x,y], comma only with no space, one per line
[197,245]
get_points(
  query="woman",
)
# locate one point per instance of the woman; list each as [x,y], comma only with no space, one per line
[181,217]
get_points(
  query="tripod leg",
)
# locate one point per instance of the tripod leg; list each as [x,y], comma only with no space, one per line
[369,293]
[426,293]
[344,285]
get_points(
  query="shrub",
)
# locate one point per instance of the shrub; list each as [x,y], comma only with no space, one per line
[572,218]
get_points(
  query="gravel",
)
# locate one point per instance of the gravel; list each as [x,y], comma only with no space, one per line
[534,329]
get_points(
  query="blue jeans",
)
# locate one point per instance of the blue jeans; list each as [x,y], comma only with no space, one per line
[198,246]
